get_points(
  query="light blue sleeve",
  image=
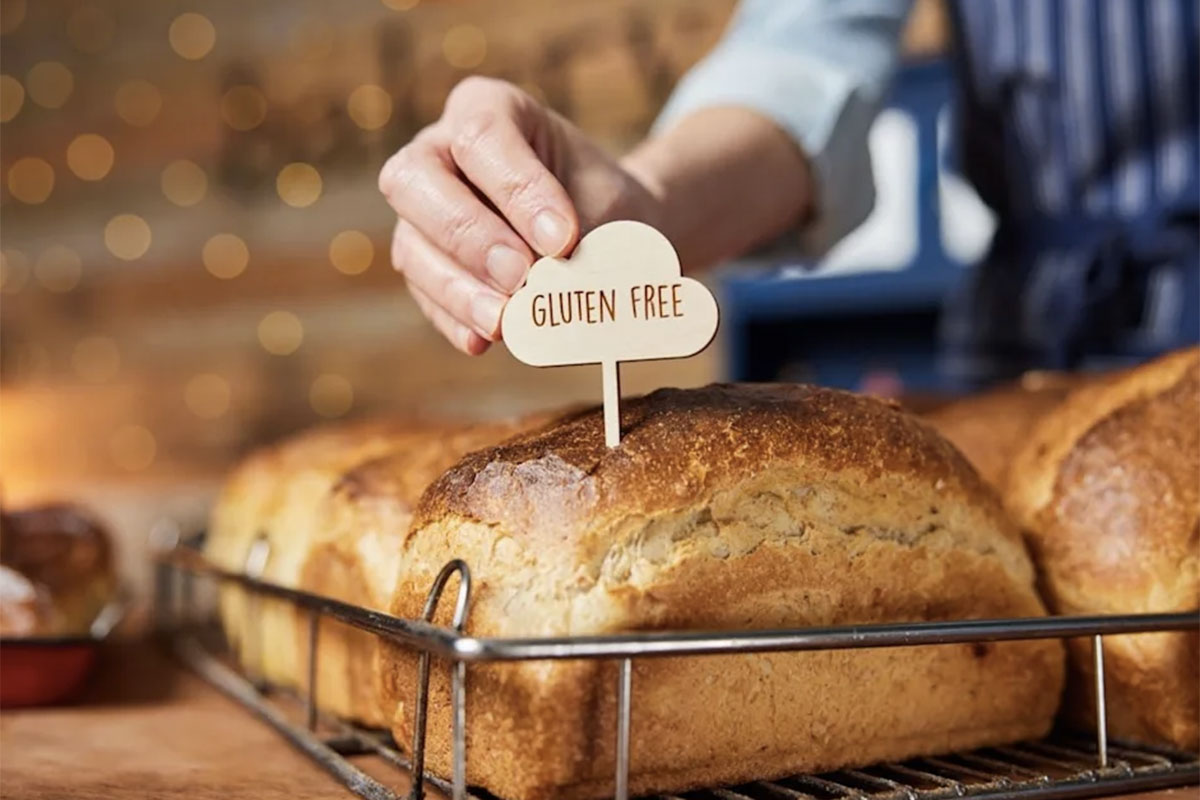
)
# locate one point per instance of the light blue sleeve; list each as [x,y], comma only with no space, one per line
[818,69]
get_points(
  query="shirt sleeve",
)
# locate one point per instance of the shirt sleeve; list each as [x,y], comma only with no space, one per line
[818,69]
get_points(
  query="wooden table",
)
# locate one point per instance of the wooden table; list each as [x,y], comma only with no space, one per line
[147,728]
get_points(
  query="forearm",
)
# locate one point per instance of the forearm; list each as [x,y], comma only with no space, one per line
[725,179]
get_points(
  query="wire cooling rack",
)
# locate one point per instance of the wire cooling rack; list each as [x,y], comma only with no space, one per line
[1063,767]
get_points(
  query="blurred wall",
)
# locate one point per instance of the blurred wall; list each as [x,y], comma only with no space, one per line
[194,254]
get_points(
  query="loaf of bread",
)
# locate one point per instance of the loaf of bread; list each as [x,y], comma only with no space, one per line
[729,507]
[988,428]
[356,556]
[1107,487]
[279,493]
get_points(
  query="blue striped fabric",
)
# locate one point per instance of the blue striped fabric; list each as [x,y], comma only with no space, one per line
[1080,125]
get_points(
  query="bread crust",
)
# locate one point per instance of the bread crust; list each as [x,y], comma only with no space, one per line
[724,507]
[1108,490]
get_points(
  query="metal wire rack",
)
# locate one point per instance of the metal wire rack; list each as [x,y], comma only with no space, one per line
[1065,766]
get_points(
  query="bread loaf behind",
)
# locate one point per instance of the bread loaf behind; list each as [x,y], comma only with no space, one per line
[1108,489]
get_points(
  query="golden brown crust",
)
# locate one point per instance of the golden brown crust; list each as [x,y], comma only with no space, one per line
[725,507]
[990,427]
[1108,489]
[365,516]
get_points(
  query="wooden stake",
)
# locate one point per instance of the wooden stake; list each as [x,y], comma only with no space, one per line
[611,378]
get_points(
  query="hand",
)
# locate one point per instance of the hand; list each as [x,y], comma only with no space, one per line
[496,182]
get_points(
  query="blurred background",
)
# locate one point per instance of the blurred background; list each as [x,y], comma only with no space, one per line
[195,255]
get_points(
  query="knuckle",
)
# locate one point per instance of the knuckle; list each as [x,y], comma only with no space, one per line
[458,232]
[472,132]
[522,187]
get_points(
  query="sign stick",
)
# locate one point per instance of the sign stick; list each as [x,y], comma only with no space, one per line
[611,379]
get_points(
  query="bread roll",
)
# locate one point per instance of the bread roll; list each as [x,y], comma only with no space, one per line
[279,493]
[60,570]
[724,507]
[357,558]
[1107,487]
[988,428]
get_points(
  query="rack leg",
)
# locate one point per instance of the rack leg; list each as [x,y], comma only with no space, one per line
[624,690]
[1101,710]
[314,630]
[458,702]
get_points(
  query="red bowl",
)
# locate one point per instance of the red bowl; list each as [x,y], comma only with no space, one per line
[37,671]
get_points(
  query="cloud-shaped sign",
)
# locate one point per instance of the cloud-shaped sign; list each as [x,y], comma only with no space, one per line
[619,297]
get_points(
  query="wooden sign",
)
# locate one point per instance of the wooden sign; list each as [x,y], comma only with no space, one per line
[619,297]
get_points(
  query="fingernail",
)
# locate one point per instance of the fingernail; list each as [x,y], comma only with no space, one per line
[506,267]
[550,233]
[485,312]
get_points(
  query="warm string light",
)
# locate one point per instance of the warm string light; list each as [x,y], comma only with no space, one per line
[298,184]
[331,395]
[14,270]
[50,84]
[369,106]
[127,236]
[280,333]
[138,102]
[225,256]
[31,180]
[207,395]
[184,183]
[12,14]
[464,46]
[192,36]
[90,156]
[243,108]
[351,252]
[12,97]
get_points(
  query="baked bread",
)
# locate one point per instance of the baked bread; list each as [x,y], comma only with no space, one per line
[723,507]
[59,574]
[988,428]
[1107,488]
[357,557]
[279,492]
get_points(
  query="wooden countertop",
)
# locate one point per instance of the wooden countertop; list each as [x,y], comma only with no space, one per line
[147,728]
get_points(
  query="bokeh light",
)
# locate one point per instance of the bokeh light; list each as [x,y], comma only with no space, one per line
[31,180]
[207,395]
[298,184]
[400,5]
[464,46]
[184,183]
[58,268]
[351,252]
[91,29]
[50,83]
[127,236]
[138,102]
[96,359]
[90,156]
[132,447]
[331,395]
[225,256]
[14,271]
[12,97]
[12,14]
[243,108]
[369,106]
[192,36]
[280,333]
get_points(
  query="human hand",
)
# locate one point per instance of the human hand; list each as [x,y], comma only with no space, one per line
[498,181]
